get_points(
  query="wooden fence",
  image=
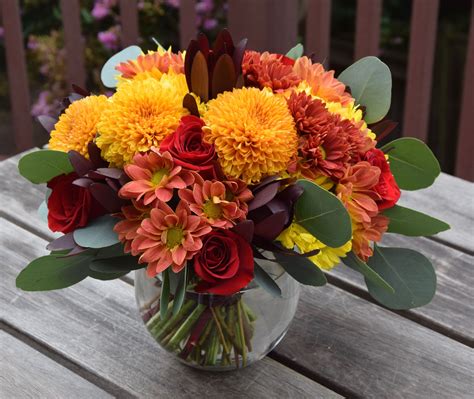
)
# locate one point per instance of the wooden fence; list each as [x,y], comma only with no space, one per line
[255,19]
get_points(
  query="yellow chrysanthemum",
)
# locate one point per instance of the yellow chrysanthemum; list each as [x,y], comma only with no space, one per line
[253,133]
[77,126]
[327,258]
[142,113]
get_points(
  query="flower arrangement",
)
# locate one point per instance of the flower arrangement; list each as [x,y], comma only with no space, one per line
[208,164]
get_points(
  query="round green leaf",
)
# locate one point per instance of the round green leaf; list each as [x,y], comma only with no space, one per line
[98,234]
[295,52]
[413,223]
[409,273]
[265,281]
[52,273]
[323,215]
[412,163]
[302,269]
[106,276]
[116,265]
[41,166]
[370,82]
[109,74]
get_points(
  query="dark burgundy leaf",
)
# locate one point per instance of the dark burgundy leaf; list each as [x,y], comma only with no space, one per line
[189,103]
[80,164]
[244,229]
[74,97]
[47,122]
[203,44]
[264,196]
[83,182]
[239,55]
[79,90]
[272,226]
[224,40]
[383,128]
[224,76]
[77,250]
[113,173]
[113,184]
[60,244]
[264,182]
[191,51]
[106,196]
[200,76]
[94,155]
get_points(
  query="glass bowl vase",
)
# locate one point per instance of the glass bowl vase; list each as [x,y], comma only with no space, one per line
[214,332]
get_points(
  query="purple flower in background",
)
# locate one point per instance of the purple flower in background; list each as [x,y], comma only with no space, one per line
[109,39]
[210,23]
[102,8]
[204,6]
[2,31]
[42,105]
[172,3]
[32,43]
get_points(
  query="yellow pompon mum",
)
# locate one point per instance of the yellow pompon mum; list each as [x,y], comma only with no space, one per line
[327,258]
[141,114]
[253,133]
[77,126]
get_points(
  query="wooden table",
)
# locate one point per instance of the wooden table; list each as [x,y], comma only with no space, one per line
[87,341]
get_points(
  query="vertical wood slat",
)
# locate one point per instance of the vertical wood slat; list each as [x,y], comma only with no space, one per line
[129,22]
[187,22]
[420,68]
[74,42]
[270,25]
[367,35]
[17,75]
[318,30]
[465,146]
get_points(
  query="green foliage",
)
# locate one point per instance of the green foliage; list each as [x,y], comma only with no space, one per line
[410,274]
[354,262]
[265,281]
[302,269]
[98,234]
[119,264]
[41,166]
[165,293]
[412,163]
[323,215]
[413,223]
[295,52]
[370,81]
[180,290]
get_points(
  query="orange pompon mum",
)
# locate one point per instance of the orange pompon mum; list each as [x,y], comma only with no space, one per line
[322,83]
[154,177]
[169,238]
[77,126]
[153,64]
[141,114]
[365,233]
[253,133]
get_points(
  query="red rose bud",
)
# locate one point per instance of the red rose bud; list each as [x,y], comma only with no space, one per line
[70,206]
[188,149]
[225,263]
[387,187]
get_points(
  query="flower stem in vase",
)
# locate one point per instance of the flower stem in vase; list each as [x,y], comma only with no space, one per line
[184,329]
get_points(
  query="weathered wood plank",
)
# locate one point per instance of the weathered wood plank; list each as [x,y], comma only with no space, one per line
[452,308]
[187,22]
[367,35]
[96,325]
[318,30]
[129,22]
[26,373]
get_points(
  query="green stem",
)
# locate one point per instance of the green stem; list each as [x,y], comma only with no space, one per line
[184,329]
[240,329]
[169,325]
[252,316]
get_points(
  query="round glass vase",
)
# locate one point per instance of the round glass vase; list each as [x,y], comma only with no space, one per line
[220,333]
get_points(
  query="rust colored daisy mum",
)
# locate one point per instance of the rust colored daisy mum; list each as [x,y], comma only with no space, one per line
[169,238]
[154,177]
[153,64]
[310,114]
[323,83]
[209,201]
[253,133]
[357,193]
[77,126]
[269,70]
[365,233]
[133,215]
[142,113]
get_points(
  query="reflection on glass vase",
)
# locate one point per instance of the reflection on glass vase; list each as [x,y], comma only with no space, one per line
[220,332]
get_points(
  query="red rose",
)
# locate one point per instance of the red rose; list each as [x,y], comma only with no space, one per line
[70,206]
[188,149]
[387,187]
[225,263]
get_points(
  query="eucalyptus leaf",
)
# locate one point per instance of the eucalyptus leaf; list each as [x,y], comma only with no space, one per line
[118,264]
[98,234]
[412,163]
[413,223]
[52,272]
[112,251]
[180,291]
[410,274]
[295,52]
[302,269]
[165,293]
[264,280]
[43,165]
[354,262]
[108,74]
[323,215]
[370,81]
[106,276]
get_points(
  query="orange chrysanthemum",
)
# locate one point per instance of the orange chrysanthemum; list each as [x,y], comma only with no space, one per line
[269,70]
[253,133]
[322,83]
[153,64]
[142,113]
[365,233]
[77,126]
[133,215]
